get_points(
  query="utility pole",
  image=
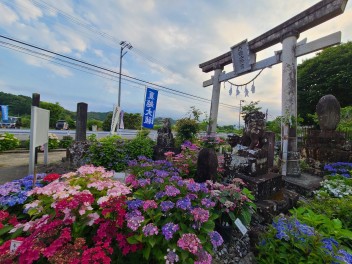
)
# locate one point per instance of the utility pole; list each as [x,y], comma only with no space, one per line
[124,44]
[239,115]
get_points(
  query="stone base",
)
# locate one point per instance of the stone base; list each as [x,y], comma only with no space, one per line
[281,202]
[304,185]
[263,186]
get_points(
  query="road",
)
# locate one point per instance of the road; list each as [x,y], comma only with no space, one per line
[23,134]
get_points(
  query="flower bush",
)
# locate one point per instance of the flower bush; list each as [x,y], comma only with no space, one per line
[53,142]
[8,141]
[209,141]
[335,186]
[108,152]
[173,217]
[186,161]
[290,241]
[341,168]
[232,201]
[66,142]
[78,218]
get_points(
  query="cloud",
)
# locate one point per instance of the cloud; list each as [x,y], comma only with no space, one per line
[27,10]
[7,15]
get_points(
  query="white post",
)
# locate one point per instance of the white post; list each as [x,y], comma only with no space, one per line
[289,106]
[215,98]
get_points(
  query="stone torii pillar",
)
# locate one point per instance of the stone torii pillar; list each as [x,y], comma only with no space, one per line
[289,105]
[215,98]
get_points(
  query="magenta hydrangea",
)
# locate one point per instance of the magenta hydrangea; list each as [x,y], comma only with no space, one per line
[171,191]
[200,215]
[149,204]
[189,242]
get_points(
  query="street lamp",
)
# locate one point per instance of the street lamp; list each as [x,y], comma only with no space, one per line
[239,115]
[123,44]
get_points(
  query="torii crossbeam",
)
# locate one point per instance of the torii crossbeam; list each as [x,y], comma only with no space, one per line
[243,57]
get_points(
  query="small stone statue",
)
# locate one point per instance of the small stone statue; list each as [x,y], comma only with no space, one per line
[328,111]
[165,138]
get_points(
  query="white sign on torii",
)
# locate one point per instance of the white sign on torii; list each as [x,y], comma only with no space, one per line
[287,33]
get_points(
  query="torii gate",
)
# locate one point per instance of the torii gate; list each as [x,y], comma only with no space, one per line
[243,57]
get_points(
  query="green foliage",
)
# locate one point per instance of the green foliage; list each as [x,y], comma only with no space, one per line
[327,73]
[8,141]
[251,107]
[186,129]
[94,122]
[18,104]
[275,126]
[97,115]
[108,152]
[132,121]
[333,208]
[289,241]
[324,225]
[26,121]
[141,145]
[53,142]
[107,122]
[66,141]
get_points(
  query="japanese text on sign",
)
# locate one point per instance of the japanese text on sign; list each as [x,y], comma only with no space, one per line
[149,108]
[240,57]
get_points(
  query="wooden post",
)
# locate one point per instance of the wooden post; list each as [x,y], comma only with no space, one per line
[36,102]
[215,98]
[81,122]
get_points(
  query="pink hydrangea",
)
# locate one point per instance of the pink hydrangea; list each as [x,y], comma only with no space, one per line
[200,215]
[189,242]
[149,204]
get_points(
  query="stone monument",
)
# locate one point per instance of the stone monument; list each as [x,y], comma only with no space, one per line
[165,141]
[326,145]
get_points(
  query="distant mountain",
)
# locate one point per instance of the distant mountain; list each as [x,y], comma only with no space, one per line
[98,115]
[18,104]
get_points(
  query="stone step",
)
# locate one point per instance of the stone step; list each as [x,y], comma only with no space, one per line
[304,185]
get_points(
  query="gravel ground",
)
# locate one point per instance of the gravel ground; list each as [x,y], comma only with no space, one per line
[14,164]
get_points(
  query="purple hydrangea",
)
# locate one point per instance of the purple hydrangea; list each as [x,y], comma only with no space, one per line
[158,180]
[159,195]
[175,178]
[171,191]
[143,182]
[150,230]
[171,257]
[166,206]
[161,173]
[169,230]
[134,219]
[184,203]
[134,204]
[208,203]
[193,187]
[216,239]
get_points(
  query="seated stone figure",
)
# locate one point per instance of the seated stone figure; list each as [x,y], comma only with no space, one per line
[165,138]
[253,135]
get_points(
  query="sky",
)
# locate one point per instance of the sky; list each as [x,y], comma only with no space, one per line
[169,40]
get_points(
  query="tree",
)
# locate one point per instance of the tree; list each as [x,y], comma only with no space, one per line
[107,122]
[132,121]
[330,72]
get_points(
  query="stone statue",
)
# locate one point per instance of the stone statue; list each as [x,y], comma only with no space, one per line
[253,135]
[165,141]
[165,138]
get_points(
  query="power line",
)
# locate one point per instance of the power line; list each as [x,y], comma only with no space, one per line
[110,72]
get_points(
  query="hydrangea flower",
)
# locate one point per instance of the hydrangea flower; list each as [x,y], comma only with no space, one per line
[150,230]
[184,203]
[216,239]
[189,242]
[171,191]
[171,257]
[169,229]
[166,205]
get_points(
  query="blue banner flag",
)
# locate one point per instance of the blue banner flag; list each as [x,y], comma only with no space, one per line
[5,112]
[151,98]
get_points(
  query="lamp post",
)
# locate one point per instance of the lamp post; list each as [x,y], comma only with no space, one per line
[124,44]
[239,115]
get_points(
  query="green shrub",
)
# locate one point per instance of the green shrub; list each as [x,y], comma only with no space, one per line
[290,241]
[186,129]
[139,146]
[340,208]
[108,152]
[53,142]
[8,141]
[66,141]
